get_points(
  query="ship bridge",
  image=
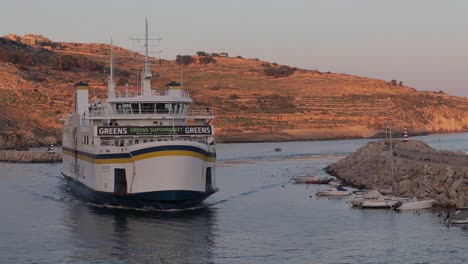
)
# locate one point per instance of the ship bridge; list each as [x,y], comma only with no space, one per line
[158,105]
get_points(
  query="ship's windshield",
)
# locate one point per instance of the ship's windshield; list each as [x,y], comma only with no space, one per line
[135,108]
[150,108]
[162,108]
[123,108]
[180,108]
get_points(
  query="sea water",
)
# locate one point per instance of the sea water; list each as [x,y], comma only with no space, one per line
[258,216]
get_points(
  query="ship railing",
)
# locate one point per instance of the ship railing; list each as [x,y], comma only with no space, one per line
[105,112]
[180,93]
[123,143]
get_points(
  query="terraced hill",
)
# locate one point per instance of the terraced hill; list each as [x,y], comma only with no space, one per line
[254,100]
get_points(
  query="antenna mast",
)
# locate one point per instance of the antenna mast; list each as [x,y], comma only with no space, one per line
[181,76]
[146,74]
[111,83]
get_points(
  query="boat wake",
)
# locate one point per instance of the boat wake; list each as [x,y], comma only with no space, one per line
[59,193]
[253,158]
[199,207]
[241,195]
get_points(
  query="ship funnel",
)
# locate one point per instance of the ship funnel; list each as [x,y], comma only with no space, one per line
[174,89]
[81,97]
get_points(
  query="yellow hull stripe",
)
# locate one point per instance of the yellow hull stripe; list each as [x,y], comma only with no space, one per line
[185,153]
[143,156]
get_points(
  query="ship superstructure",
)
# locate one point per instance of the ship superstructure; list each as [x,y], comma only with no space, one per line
[141,149]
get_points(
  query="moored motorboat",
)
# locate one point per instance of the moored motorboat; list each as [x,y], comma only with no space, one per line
[335,190]
[459,217]
[414,204]
[362,195]
[375,199]
[383,202]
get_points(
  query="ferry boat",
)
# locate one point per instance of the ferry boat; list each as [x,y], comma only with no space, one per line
[146,149]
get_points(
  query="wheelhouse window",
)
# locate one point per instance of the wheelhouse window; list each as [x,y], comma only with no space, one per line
[135,108]
[162,108]
[178,108]
[118,108]
[147,108]
[184,108]
[122,108]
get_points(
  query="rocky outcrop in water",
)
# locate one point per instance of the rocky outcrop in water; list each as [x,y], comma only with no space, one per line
[29,156]
[418,171]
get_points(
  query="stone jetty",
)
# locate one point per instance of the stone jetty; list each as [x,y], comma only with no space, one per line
[414,170]
[29,156]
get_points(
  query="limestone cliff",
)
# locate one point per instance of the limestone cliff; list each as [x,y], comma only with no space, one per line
[254,100]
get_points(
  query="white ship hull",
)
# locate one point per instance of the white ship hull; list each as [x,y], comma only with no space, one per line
[141,148]
[166,175]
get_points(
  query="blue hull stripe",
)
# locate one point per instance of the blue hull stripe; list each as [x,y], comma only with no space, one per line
[173,147]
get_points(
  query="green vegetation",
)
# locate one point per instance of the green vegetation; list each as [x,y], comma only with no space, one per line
[278,72]
[7,125]
[184,59]
[206,60]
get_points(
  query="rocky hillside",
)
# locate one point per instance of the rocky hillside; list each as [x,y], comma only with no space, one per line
[254,100]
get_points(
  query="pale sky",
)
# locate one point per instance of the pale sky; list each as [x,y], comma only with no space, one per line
[423,43]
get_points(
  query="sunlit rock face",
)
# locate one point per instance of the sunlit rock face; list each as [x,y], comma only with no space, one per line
[253,100]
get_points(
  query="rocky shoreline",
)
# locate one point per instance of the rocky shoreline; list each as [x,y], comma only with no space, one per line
[418,171]
[29,156]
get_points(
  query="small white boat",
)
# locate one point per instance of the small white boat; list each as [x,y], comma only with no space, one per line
[381,202]
[362,195]
[414,204]
[375,199]
[335,190]
[459,217]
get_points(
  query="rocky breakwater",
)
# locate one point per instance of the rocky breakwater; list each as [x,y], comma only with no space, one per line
[29,156]
[414,170]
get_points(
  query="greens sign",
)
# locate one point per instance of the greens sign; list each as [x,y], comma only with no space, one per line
[104,131]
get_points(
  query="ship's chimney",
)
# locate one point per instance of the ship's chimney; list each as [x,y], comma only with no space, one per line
[174,89]
[81,97]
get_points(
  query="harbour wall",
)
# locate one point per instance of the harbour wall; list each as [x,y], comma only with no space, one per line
[29,156]
[414,170]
